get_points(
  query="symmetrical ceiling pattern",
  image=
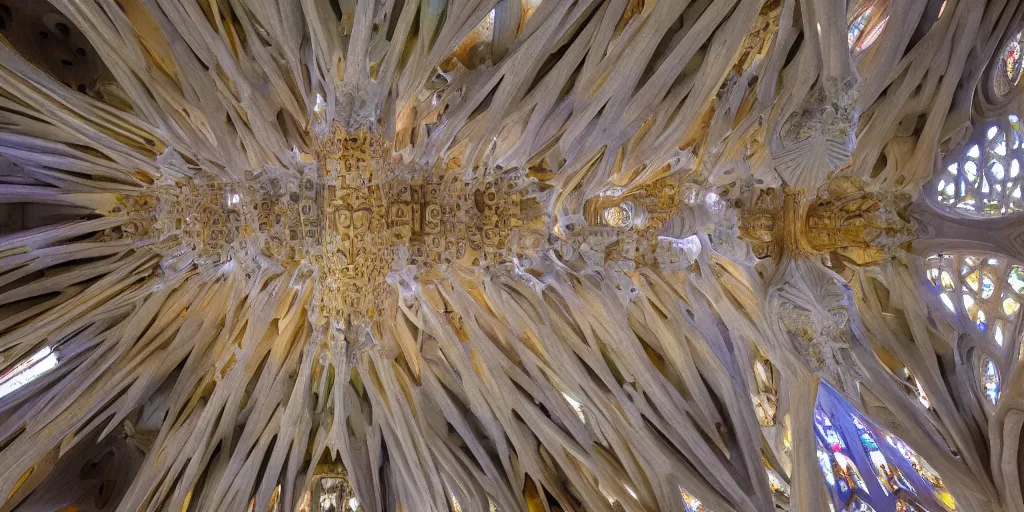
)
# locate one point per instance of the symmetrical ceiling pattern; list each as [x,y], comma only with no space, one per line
[504,255]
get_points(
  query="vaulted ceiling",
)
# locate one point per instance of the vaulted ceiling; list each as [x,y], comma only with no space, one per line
[538,255]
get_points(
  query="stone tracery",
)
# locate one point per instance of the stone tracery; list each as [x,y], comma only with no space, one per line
[983,178]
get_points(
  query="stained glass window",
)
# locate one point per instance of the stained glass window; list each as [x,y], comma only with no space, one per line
[867,24]
[1011,60]
[905,505]
[939,490]
[887,477]
[985,293]
[901,476]
[872,35]
[857,27]
[849,471]
[866,439]
[841,473]
[990,380]
[825,428]
[826,467]
[858,505]
[691,504]
[988,292]
[984,179]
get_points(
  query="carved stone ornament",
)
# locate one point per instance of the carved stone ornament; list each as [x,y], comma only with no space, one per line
[809,308]
[330,489]
[355,217]
[844,220]
[817,139]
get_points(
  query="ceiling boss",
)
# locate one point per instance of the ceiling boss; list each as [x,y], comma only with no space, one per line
[376,225]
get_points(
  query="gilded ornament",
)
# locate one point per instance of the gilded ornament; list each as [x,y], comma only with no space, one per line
[843,220]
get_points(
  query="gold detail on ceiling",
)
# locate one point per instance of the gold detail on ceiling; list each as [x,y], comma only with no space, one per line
[622,227]
[368,224]
[356,217]
[487,257]
[330,488]
[861,227]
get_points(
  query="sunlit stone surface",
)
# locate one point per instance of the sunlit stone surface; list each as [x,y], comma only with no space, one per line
[511,255]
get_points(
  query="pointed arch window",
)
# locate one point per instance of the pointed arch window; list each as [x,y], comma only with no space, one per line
[866,439]
[840,471]
[848,470]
